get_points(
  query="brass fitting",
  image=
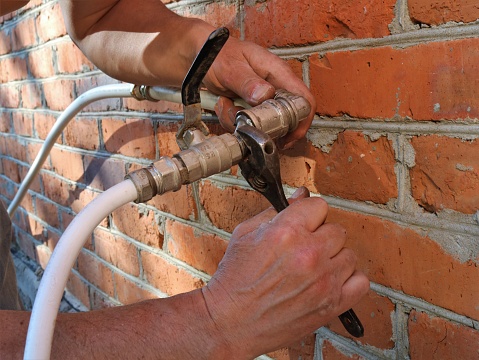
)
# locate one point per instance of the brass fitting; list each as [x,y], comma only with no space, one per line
[276,117]
[212,156]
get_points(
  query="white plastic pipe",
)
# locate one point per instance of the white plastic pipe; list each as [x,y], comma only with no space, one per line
[50,292]
[98,93]
[208,100]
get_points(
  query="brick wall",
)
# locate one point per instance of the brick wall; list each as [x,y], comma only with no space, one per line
[393,151]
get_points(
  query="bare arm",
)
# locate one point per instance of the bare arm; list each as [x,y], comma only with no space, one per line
[282,277]
[7,6]
[146,43]
[174,328]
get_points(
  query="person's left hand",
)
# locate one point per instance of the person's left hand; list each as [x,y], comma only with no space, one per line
[244,69]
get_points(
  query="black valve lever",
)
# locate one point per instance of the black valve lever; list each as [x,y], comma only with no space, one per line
[190,89]
[261,169]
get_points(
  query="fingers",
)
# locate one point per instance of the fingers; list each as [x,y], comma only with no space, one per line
[354,288]
[310,212]
[268,214]
[226,112]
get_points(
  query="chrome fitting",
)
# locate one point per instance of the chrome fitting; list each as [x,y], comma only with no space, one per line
[142,92]
[144,183]
[276,117]
[212,156]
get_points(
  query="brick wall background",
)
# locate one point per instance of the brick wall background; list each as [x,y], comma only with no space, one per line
[393,151]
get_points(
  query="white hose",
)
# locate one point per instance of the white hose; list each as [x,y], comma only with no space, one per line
[47,302]
[98,93]
[208,100]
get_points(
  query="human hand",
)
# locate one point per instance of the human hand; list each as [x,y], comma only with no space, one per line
[282,277]
[244,69]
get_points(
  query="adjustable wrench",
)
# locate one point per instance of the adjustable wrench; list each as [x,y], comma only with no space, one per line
[261,169]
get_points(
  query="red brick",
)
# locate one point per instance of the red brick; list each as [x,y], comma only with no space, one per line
[5,122]
[283,22]
[31,4]
[129,137]
[375,312]
[10,96]
[58,190]
[5,42]
[281,354]
[43,255]
[32,150]
[27,203]
[355,168]
[10,169]
[22,124]
[440,12]
[51,240]
[66,218]
[16,148]
[40,62]
[151,106]
[83,198]
[228,207]
[437,339]
[180,203]
[117,251]
[78,288]
[217,14]
[70,59]
[6,17]
[402,259]
[166,276]
[26,245]
[167,138]
[99,301]
[31,95]
[35,185]
[84,84]
[48,212]
[199,249]
[82,133]
[329,352]
[67,164]
[103,173]
[43,123]
[96,272]
[128,292]
[50,24]
[58,94]
[412,83]
[13,68]
[303,349]
[446,174]
[139,224]
[23,34]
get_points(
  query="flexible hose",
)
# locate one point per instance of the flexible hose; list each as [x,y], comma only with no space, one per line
[98,93]
[208,100]
[47,302]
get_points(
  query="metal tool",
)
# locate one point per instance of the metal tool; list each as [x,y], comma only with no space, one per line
[190,89]
[261,169]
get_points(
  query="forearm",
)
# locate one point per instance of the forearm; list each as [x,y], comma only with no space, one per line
[174,328]
[7,6]
[146,44]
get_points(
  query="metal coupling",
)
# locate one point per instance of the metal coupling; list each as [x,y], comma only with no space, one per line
[212,156]
[276,117]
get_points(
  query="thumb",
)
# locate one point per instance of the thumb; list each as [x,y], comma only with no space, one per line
[300,193]
[256,90]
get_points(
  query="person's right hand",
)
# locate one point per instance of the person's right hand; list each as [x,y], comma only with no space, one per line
[282,277]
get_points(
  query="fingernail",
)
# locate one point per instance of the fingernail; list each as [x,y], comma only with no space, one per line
[260,93]
[299,191]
